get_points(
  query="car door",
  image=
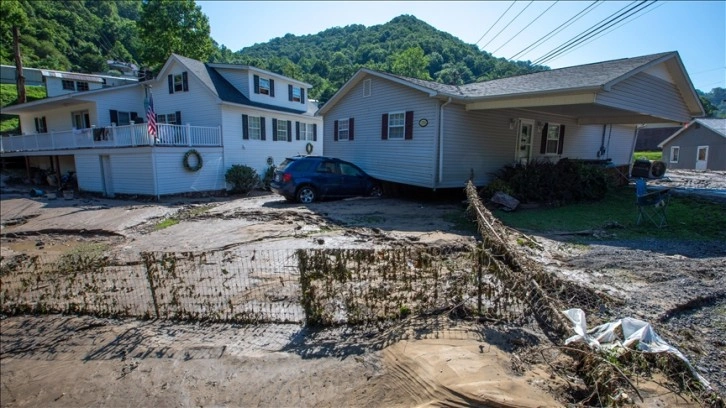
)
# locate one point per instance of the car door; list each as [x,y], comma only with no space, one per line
[327,179]
[354,181]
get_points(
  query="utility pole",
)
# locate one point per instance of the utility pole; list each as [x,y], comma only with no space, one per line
[19,78]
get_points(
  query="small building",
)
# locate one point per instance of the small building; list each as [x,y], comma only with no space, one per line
[699,145]
[432,135]
[60,82]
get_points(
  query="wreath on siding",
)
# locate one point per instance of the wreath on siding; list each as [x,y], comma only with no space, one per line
[186,160]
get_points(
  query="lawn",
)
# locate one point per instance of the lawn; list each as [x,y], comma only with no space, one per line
[689,218]
[650,155]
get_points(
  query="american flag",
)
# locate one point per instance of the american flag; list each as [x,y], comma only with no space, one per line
[151,117]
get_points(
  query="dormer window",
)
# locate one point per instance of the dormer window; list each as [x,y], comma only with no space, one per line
[296,94]
[178,82]
[264,86]
[69,85]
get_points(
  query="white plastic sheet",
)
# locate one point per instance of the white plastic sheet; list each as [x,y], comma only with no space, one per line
[633,333]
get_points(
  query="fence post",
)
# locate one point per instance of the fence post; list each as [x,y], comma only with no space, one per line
[149,262]
[477,261]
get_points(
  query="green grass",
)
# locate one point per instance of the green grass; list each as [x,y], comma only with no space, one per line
[166,223]
[8,96]
[461,221]
[650,155]
[688,218]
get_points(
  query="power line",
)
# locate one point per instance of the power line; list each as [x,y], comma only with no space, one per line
[622,23]
[593,31]
[495,23]
[525,27]
[559,28]
[510,22]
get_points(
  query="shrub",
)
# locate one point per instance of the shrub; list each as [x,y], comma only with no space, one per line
[552,183]
[242,178]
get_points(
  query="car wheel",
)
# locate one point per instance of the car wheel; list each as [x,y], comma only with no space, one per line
[376,191]
[306,194]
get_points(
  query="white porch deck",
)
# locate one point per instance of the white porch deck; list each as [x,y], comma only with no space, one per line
[114,136]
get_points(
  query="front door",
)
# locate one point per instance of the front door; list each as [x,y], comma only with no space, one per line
[702,158]
[524,141]
[106,175]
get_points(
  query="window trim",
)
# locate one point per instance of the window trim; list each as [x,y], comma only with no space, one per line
[307,132]
[82,86]
[677,150]
[402,126]
[68,85]
[264,89]
[41,125]
[252,129]
[345,121]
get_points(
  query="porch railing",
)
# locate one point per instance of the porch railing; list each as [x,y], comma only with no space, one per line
[114,136]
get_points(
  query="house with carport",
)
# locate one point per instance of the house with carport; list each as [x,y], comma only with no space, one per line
[208,117]
[422,133]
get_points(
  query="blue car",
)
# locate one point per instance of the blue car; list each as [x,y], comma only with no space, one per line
[309,178]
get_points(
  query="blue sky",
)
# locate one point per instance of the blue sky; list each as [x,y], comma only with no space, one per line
[696,29]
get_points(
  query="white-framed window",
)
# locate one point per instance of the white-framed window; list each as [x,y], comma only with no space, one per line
[81,86]
[396,125]
[296,94]
[81,119]
[69,85]
[168,118]
[366,88]
[343,130]
[675,153]
[254,128]
[281,129]
[553,138]
[702,153]
[264,86]
[307,131]
[41,125]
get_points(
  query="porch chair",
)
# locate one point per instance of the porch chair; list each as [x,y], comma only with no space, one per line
[651,205]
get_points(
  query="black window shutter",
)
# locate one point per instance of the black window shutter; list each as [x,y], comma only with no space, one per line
[302,95]
[262,128]
[562,139]
[384,127]
[289,131]
[408,128]
[37,125]
[274,129]
[335,131]
[543,144]
[178,117]
[289,92]
[245,129]
[170,80]
[297,130]
[45,124]
[257,83]
[315,131]
[351,122]
[272,87]
[134,117]
[185,81]
[114,116]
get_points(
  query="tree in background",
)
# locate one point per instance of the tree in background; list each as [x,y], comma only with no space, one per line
[14,18]
[173,26]
[411,63]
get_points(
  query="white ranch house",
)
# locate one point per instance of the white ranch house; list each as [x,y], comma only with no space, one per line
[432,135]
[228,114]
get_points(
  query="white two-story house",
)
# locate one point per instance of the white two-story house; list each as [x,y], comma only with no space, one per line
[208,118]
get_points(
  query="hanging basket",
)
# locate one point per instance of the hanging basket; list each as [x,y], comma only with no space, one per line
[198,156]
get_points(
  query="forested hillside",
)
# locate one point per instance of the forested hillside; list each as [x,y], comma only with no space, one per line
[82,35]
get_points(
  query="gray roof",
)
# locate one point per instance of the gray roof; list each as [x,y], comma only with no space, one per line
[717,125]
[562,79]
[223,89]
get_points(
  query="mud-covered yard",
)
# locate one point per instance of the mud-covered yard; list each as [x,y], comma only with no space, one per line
[57,360]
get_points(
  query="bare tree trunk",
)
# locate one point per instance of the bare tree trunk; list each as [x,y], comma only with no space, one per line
[19,78]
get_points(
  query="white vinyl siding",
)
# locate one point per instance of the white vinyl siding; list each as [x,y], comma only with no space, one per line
[173,178]
[88,173]
[404,161]
[646,93]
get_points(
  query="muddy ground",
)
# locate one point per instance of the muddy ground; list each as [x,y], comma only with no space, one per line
[81,360]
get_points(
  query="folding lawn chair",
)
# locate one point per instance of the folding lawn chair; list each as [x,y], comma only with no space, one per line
[651,205]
